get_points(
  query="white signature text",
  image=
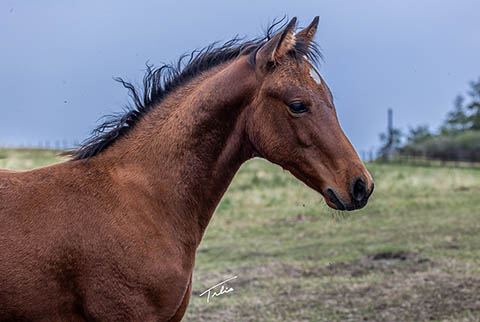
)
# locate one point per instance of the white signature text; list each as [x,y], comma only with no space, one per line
[224,289]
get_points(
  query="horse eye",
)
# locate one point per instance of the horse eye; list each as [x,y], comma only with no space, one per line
[297,107]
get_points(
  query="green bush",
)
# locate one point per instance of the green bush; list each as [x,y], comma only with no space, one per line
[461,147]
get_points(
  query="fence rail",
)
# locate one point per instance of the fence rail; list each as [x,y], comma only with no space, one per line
[44,144]
[451,160]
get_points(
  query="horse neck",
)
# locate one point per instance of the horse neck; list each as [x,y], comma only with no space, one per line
[185,152]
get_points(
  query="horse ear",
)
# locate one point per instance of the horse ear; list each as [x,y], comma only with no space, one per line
[278,45]
[308,33]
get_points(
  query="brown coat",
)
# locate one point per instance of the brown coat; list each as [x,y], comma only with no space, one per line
[113,237]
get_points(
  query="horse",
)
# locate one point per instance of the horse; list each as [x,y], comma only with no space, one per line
[111,233]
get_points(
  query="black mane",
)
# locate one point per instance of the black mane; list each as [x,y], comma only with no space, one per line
[160,81]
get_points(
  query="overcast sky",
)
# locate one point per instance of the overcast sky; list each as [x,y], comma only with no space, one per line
[57,58]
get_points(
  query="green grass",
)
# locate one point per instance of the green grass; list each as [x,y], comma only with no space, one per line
[298,260]
[24,159]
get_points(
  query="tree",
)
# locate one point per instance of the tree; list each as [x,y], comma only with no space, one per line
[418,134]
[474,106]
[457,120]
[464,117]
[391,141]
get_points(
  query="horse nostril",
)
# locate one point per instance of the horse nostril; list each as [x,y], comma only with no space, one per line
[359,191]
[371,191]
[334,198]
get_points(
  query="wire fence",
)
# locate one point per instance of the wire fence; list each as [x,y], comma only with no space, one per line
[450,159]
[43,144]
[368,156]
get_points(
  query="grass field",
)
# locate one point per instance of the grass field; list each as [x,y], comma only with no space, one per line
[413,254]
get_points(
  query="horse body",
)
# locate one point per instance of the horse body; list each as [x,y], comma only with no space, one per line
[73,262]
[112,236]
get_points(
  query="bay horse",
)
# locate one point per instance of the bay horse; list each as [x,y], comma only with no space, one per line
[111,233]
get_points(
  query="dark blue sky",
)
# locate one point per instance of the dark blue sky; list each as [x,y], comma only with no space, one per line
[58,57]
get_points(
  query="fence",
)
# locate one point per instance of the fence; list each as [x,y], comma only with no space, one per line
[44,144]
[452,159]
[368,156]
